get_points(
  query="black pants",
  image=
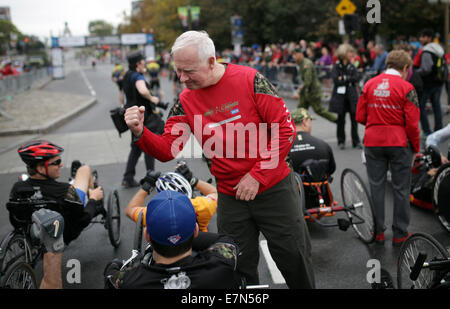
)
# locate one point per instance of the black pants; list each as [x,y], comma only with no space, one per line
[276,214]
[398,160]
[341,125]
[133,158]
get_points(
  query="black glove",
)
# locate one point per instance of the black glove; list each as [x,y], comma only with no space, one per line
[184,171]
[163,105]
[149,180]
[48,227]
[114,266]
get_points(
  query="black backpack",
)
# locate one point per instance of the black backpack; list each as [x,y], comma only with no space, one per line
[440,69]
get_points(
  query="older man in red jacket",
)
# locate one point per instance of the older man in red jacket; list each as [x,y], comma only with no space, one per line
[246,130]
[389,109]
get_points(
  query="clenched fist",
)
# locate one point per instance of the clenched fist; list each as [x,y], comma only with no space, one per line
[134,118]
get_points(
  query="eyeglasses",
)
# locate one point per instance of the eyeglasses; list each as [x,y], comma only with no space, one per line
[57,162]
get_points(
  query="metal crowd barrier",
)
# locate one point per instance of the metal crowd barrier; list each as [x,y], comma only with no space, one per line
[10,85]
[286,78]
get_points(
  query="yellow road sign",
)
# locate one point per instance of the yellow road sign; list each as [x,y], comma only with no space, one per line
[345,7]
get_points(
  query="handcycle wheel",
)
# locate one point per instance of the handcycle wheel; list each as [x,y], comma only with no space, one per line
[14,247]
[423,243]
[356,196]
[113,218]
[137,243]
[441,195]
[301,191]
[19,275]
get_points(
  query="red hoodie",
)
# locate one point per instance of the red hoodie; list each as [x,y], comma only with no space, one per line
[389,109]
[233,121]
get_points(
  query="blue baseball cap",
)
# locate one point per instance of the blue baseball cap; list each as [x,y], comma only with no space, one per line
[170,218]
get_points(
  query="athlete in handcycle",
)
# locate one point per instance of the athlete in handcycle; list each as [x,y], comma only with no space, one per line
[430,185]
[313,161]
[173,222]
[79,204]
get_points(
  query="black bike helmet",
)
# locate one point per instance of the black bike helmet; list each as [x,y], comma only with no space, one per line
[38,151]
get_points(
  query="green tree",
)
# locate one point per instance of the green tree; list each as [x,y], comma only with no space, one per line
[8,32]
[100,28]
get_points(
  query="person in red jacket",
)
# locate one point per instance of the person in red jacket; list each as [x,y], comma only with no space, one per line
[246,130]
[389,109]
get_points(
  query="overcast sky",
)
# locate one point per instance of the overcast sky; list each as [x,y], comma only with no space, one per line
[39,17]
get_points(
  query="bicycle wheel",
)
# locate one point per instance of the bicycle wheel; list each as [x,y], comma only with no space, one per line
[301,191]
[113,218]
[19,275]
[137,243]
[14,247]
[356,197]
[418,242]
[441,195]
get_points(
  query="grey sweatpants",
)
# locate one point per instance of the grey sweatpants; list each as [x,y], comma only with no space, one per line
[398,160]
[276,213]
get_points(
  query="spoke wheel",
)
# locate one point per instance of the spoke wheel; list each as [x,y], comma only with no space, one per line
[15,249]
[441,195]
[301,191]
[409,251]
[19,275]
[113,218]
[356,196]
[137,243]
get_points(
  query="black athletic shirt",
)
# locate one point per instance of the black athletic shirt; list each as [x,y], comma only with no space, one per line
[307,147]
[69,204]
[213,267]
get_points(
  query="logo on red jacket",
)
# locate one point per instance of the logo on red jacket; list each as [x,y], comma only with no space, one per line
[382,89]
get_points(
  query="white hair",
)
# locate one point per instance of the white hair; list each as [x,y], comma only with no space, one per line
[201,39]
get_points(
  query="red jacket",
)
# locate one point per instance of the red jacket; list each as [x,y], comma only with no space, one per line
[232,121]
[389,109]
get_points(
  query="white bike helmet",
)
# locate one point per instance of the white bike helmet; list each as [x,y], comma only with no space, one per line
[175,182]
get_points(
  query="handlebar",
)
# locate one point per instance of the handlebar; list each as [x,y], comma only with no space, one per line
[418,265]
[441,264]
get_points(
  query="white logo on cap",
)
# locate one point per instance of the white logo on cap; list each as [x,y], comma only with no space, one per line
[174,238]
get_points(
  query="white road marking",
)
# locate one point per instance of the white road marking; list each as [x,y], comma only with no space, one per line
[88,84]
[277,277]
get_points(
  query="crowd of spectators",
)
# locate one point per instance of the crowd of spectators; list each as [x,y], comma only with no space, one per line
[277,58]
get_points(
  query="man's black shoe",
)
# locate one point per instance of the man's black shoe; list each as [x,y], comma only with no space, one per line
[130,184]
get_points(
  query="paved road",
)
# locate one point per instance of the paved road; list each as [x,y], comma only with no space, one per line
[340,259]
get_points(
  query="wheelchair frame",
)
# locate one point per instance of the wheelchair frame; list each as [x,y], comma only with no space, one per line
[351,206]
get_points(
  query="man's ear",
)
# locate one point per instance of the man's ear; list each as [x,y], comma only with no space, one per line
[147,237]
[40,168]
[196,230]
[211,62]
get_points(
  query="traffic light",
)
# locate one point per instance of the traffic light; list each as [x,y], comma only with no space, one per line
[352,22]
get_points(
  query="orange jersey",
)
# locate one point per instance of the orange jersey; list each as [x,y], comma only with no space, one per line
[205,208]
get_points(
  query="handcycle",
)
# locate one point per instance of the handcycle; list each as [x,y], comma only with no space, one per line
[20,252]
[317,199]
[431,192]
[423,263]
